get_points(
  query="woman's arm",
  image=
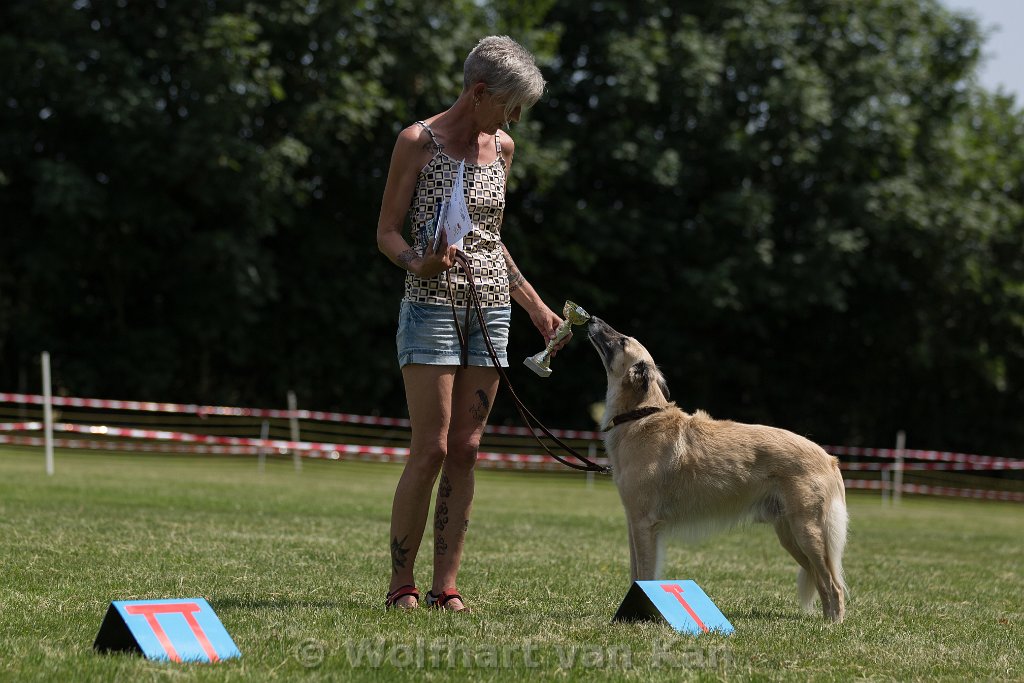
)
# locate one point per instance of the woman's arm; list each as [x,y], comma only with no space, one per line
[410,154]
[544,319]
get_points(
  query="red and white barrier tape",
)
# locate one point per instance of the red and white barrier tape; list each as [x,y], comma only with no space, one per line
[983,494]
[346,452]
[994,464]
[913,454]
[979,462]
[181,442]
[313,450]
[229,411]
[349,418]
[997,464]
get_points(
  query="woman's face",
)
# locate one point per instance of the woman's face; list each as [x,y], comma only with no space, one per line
[492,113]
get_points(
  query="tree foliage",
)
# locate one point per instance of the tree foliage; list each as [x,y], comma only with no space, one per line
[808,210]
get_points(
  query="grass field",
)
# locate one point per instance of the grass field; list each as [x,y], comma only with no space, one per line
[295,565]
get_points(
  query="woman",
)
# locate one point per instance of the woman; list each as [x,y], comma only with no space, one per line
[449,405]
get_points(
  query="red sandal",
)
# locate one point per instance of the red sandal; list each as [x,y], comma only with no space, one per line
[443,598]
[391,601]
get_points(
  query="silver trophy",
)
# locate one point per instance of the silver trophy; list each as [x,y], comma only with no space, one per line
[541,362]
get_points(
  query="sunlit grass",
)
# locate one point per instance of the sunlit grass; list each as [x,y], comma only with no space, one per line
[295,564]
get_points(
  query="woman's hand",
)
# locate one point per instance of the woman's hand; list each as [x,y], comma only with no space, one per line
[434,262]
[547,322]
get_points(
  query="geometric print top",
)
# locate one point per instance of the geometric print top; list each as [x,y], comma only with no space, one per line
[485,198]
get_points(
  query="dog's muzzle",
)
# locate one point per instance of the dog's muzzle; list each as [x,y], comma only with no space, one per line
[603,336]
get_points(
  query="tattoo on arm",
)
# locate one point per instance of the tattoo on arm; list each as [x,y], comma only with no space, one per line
[407,257]
[515,278]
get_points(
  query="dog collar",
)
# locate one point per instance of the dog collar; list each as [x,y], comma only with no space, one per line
[632,415]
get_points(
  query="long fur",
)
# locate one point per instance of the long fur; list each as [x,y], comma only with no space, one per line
[691,475]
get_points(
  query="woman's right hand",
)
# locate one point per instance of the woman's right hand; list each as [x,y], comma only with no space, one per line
[434,262]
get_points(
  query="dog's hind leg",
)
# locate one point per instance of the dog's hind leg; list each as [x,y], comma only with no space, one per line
[805,584]
[811,535]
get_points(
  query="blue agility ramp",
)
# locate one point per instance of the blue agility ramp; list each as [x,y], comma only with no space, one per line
[682,604]
[179,630]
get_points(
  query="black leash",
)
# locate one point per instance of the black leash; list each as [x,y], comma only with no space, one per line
[473,302]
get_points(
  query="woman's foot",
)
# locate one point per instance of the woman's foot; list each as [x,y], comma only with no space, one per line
[403,597]
[448,599]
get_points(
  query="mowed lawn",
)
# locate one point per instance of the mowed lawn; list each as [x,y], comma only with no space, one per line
[296,566]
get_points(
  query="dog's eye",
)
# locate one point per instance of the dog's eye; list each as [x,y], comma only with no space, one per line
[622,341]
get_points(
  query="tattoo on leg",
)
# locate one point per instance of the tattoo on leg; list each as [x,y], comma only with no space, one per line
[398,553]
[444,490]
[441,515]
[480,409]
[440,545]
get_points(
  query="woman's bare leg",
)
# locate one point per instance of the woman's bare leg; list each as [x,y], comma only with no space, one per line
[428,390]
[472,396]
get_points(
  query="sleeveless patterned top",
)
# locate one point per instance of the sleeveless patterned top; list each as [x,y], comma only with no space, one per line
[485,198]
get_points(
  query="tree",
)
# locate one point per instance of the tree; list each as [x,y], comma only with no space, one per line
[798,186]
[807,209]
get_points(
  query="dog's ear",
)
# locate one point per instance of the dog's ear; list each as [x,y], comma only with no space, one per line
[663,385]
[640,375]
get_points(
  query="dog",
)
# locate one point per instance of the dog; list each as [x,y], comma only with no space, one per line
[692,475]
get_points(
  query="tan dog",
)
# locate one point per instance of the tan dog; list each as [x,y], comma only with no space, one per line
[693,475]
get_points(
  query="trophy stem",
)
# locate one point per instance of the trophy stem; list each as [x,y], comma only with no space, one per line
[541,363]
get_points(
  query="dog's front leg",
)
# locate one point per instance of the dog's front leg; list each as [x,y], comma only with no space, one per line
[632,550]
[648,549]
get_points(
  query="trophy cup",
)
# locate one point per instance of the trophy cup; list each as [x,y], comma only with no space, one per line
[541,362]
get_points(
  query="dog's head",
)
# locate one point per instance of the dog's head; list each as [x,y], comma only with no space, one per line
[633,377]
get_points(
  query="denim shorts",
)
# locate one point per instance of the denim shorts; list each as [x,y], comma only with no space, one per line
[426,335]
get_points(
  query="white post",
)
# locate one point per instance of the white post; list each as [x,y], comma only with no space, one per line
[48,412]
[293,421]
[897,475]
[264,435]
[886,485]
[591,453]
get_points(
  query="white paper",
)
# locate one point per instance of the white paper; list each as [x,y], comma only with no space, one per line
[454,214]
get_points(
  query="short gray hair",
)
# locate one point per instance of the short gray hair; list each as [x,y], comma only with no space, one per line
[508,69]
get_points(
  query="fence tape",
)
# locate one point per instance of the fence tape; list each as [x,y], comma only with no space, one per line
[984,494]
[205,443]
[229,411]
[932,460]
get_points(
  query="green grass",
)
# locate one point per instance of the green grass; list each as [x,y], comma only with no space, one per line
[295,565]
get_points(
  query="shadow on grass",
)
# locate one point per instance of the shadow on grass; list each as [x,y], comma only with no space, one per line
[276,603]
[762,613]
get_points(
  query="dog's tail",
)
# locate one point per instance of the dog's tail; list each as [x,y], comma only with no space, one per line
[836,522]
